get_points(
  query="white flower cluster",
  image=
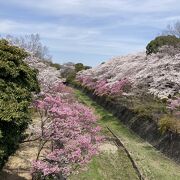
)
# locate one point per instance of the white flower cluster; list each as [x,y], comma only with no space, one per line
[159,72]
[47,75]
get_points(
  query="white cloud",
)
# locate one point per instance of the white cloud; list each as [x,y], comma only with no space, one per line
[47,30]
[87,34]
[7,25]
[73,39]
[99,7]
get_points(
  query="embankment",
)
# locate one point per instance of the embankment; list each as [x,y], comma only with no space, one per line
[147,128]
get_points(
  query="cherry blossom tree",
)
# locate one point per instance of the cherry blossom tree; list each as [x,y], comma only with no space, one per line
[120,86]
[104,88]
[47,75]
[158,72]
[71,129]
[87,81]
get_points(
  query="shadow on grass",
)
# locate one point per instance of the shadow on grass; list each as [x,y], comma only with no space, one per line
[8,176]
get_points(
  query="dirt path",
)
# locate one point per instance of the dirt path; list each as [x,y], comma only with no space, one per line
[19,164]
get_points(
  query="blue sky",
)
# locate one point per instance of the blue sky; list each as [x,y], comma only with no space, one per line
[88,31]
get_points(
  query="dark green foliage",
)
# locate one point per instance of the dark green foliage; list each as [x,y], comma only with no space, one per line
[160,41]
[80,67]
[87,67]
[71,74]
[17,81]
[55,65]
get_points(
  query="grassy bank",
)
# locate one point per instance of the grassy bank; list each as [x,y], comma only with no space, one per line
[152,163]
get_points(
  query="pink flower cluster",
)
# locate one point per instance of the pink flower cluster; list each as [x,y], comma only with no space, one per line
[87,81]
[70,128]
[103,87]
[174,106]
[46,168]
[174,103]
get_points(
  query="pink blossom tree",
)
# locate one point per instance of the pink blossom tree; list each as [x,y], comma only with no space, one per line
[119,87]
[102,87]
[71,131]
[87,82]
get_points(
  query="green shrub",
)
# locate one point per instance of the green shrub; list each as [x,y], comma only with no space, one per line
[17,81]
[79,67]
[70,74]
[160,41]
[55,65]
[71,77]
[168,123]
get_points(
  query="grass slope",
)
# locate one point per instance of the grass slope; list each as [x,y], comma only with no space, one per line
[151,162]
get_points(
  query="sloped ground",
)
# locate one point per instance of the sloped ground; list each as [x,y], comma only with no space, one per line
[108,165]
[152,164]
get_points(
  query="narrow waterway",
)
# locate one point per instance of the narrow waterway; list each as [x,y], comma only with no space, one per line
[152,163]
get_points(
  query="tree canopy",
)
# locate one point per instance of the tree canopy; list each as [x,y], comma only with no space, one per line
[17,81]
[158,42]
